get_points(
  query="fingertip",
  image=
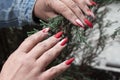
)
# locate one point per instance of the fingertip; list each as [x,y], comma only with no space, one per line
[69,61]
[90,13]
[45,30]
[64,42]
[79,23]
[93,3]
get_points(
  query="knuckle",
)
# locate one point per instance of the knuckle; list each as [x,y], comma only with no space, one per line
[73,6]
[63,9]
[31,39]
[57,49]
[24,62]
[71,16]
[54,52]
[43,45]
[54,71]
[27,62]
[49,55]
[80,12]
[48,3]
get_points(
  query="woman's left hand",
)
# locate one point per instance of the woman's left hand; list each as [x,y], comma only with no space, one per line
[73,10]
[30,60]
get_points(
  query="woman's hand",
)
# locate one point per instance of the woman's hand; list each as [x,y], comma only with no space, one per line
[73,10]
[30,60]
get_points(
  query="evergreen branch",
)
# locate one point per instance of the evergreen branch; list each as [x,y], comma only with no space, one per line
[32,32]
[60,23]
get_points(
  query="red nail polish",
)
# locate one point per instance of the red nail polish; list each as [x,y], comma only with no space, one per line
[89,10]
[59,34]
[69,61]
[88,23]
[64,41]
[93,3]
[45,30]
[90,13]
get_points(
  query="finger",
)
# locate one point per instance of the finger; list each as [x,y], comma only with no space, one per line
[56,70]
[51,54]
[75,9]
[31,41]
[87,11]
[42,47]
[62,9]
[91,2]
[82,4]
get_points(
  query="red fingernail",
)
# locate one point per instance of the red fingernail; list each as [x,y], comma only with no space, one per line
[88,23]
[59,34]
[79,23]
[45,30]
[69,61]
[90,13]
[64,41]
[93,3]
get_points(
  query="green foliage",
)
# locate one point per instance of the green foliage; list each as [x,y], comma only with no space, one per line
[60,23]
[53,23]
[77,38]
[32,32]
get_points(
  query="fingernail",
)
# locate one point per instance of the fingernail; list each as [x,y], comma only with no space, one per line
[45,30]
[69,61]
[90,13]
[88,23]
[59,34]
[79,23]
[64,41]
[93,3]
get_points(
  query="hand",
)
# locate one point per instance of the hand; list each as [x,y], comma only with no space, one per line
[29,61]
[70,9]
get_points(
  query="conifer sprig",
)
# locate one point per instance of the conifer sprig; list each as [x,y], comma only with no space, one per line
[60,23]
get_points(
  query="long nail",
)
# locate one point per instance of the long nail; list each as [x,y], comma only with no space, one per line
[45,30]
[64,41]
[90,13]
[59,34]
[79,23]
[69,61]
[93,3]
[88,23]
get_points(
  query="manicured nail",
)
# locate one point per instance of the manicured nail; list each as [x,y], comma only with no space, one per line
[69,61]
[59,34]
[90,13]
[64,41]
[79,23]
[93,3]
[45,30]
[88,23]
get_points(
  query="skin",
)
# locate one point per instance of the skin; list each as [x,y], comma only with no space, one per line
[70,9]
[29,61]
